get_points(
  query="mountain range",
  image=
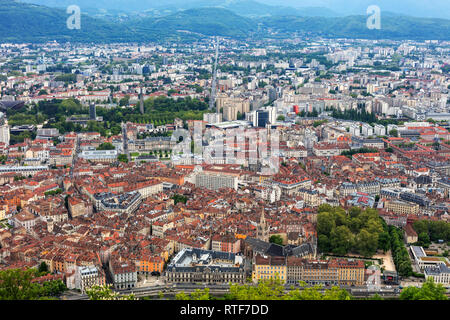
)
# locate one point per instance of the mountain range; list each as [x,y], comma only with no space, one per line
[26,22]
[417,8]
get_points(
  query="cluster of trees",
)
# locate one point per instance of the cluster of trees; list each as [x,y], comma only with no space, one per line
[67,78]
[24,118]
[157,153]
[340,232]
[350,153]
[159,111]
[124,101]
[277,239]
[20,137]
[274,290]
[179,198]
[270,290]
[306,114]
[154,134]
[400,254]
[16,284]
[446,68]
[106,146]
[53,192]
[122,158]
[320,122]
[162,104]
[106,293]
[431,231]
[429,291]
[356,115]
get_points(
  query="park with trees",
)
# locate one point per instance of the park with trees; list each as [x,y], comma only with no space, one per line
[399,252]
[54,114]
[357,231]
[429,231]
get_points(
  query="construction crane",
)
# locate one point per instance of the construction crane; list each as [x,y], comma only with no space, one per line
[212,98]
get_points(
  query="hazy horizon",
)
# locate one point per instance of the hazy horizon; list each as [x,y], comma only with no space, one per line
[418,8]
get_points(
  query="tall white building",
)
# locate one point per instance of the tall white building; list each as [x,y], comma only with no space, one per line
[4,129]
[367,130]
[355,129]
[380,130]
[212,118]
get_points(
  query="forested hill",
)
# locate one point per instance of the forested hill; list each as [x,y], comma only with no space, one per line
[22,22]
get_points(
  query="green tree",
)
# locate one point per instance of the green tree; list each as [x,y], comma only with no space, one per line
[106,293]
[43,268]
[15,284]
[325,223]
[384,242]
[342,239]
[272,289]
[124,101]
[276,239]
[429,291]
[314,293]
[367,243]
[393,132]
[179,198]
[424,239]
[106,146]
[323,243]
[122,158]
[325,208]
[354,212]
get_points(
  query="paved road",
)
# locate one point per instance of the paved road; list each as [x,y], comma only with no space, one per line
[75,157]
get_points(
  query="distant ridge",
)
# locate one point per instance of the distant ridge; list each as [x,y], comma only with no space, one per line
[22,22]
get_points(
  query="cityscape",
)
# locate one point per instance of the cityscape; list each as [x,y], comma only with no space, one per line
[224,163]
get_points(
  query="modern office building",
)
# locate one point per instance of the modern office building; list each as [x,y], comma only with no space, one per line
[4,131]
[92,112]
[216,181]
[99,155]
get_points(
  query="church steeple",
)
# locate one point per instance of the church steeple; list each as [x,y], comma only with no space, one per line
[262,220]
[262,230]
